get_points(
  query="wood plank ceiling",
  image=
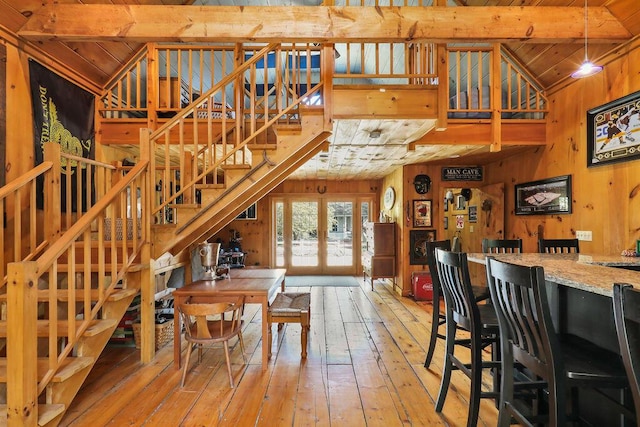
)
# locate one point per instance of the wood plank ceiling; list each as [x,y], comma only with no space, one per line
[354,154]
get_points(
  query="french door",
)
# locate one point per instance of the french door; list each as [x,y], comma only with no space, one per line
[317,235]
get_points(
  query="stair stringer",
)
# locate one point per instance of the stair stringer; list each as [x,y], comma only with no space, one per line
[92,345]
[198,223]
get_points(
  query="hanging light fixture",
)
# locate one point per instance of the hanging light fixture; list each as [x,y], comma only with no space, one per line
[587,68]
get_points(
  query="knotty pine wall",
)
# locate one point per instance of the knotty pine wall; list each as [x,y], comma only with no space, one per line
[606,198]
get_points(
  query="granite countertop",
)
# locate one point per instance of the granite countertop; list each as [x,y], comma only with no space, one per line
[592,273]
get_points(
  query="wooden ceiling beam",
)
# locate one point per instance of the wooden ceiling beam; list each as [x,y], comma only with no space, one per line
[162,23]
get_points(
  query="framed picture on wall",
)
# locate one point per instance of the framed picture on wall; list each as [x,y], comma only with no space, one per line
[446,222]
[250,213]
[422,213]
[418,241]
[547,196]
[613,131]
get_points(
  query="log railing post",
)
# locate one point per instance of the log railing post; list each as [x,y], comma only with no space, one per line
[22,344]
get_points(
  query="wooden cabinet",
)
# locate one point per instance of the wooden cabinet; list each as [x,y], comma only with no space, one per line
[379,253]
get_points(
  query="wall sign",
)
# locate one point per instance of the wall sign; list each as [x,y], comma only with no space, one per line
[462,173]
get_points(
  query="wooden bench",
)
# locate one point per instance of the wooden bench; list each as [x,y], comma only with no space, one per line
[291,307]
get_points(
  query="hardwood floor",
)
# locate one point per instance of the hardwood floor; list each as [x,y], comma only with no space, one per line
[364,368]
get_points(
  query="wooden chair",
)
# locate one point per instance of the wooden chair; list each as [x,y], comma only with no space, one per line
[208,323]
[438,318]
[480,323]
[556,363]
[502,246]
[626,311]
[558,246]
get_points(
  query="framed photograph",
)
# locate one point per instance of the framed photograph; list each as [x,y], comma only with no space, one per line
[418,240]
[422,213]
[613,131]
[547,196]
[250,213]
[446,222]
[461,203]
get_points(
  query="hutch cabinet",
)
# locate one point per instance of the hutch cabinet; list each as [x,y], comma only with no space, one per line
[379,252]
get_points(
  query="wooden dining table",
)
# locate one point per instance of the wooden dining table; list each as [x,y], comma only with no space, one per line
[257,286]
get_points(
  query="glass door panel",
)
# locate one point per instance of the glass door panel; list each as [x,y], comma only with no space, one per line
[304,232]
[339,243]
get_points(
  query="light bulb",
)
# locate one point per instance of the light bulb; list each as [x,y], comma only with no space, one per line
[587,69]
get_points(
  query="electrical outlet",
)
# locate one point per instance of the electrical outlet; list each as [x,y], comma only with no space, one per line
[584,235]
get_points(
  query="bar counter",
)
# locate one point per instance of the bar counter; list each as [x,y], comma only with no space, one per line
[591,273]
[580,295]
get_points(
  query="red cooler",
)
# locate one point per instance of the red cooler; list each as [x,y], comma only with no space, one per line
[422,286]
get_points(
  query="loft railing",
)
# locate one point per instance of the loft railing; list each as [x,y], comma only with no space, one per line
[471,90]
[86,264]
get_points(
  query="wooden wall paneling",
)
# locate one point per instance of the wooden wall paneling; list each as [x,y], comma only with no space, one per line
[605,198]
[3,113]
[396,213]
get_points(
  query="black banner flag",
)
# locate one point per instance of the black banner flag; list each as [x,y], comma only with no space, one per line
[62,113]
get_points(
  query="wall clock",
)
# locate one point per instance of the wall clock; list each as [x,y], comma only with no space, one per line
[389,198]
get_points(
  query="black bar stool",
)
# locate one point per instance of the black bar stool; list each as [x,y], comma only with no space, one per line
[554,363]
[626,311]
[558,246]
[438,318]
[502,246]
[464,313]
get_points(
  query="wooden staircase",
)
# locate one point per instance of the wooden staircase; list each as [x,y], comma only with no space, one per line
[220,204]
[86,276]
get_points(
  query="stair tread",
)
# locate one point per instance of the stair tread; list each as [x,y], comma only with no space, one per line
[46,413]
[68,368]
[210,186]
[116,295]
[63,268]
[97,326]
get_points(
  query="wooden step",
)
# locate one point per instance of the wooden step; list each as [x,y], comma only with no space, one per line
[116,295]
[79,267]
[63,295]
[290,129]
[46,413]
[69,367]
[239,166]
[95,327]
[209,186]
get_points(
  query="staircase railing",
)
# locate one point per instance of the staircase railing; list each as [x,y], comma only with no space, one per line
[219,128]
[61,293]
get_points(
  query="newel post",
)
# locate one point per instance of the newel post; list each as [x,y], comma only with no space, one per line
[22,344]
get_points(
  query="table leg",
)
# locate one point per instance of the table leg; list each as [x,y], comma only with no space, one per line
[265,334]
[177,329]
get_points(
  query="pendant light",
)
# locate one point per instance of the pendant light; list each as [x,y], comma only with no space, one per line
[587,68]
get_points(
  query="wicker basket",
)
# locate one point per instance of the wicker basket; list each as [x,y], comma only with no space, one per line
[164,333]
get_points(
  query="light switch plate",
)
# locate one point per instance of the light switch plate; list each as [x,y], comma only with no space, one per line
[584,235]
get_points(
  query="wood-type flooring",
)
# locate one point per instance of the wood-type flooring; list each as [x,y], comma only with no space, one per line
[364,368]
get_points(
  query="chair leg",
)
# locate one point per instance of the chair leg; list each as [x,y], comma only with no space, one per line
[435,324]
[448,365]
[186,364]
[270,339]
[476,381]
[226,355]
[241,340]
[304,323]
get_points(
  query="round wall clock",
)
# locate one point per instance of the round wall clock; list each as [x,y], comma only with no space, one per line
[389,198]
